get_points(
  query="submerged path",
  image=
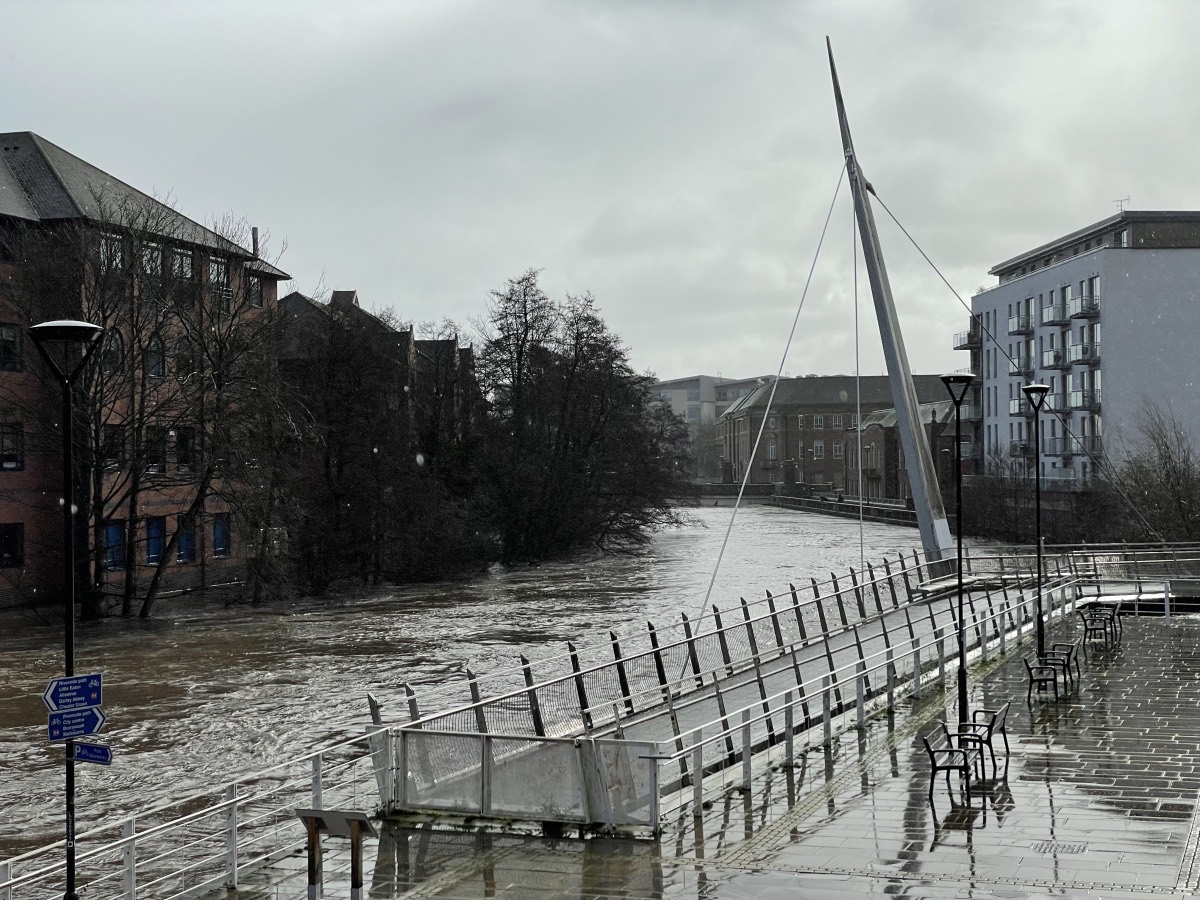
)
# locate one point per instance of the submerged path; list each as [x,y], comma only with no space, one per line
[1100,800]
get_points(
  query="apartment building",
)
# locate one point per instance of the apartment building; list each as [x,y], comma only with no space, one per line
[701,400]
[1133,277]
[177,301]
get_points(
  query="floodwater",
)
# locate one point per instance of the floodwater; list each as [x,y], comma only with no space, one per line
[203,693]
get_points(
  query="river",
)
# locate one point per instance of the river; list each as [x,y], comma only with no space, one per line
[204,693]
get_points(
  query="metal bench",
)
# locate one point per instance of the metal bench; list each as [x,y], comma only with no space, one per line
[1095,627]
[1069,650]
[1043,676]
[985,724]
[962,759]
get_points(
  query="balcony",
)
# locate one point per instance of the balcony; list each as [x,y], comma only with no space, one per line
[1055,315]
[1060,402]
[1056,359]
[1087,354]
[1019,406]
[1086,399]
[1021,364]
[1075,446]
[1020,448]
[1084,307]
[1060,483]
[972,412]
[971,339]
[1020,324]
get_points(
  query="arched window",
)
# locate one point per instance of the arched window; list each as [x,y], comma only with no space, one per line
[156,365]
[113,354]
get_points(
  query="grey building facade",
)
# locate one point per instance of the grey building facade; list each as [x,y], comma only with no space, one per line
[1109,318]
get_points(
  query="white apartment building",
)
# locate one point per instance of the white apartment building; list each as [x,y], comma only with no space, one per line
[1135,278]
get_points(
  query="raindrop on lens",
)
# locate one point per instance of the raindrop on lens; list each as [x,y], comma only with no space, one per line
[420,459]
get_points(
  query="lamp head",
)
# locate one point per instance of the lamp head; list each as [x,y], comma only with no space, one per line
[1036,394]
[957,384]
[65,331]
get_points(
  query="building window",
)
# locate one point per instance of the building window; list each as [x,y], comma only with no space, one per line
[181,265]
[254,291]
[156,364]
[113,451]
[156,449]
[799,421]
[693,394]
[854,420]
[114,545]
[156,533]
[12,545]
[111,259]
[818,449]
[10,348]
[771,452]
[12,447]
[771,422]
[152,260]
[185,448]
[113,353]
[221,534]
[185,548]
[837,420]
[818,421]
[838,450]
[218,285]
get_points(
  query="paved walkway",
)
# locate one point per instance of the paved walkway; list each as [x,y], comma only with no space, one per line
[1100,801]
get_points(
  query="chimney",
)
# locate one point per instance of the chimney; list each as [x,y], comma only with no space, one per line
[254,240]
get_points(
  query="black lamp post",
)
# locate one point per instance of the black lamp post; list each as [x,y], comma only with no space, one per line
[1037,398]
[957,384]
[68,334]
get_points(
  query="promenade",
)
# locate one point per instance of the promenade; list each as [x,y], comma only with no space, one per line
[1099,801]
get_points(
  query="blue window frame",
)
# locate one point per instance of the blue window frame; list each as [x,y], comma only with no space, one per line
[185,549]
[114,544]
[221,534]
[156,533]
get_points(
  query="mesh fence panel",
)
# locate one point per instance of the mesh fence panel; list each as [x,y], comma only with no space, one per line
[552,766]
[444,771]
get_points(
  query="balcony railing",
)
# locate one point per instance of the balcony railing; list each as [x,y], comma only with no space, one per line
[1088,354]
[1019,406]
[1075,446]
[1060,483]
[1084,307]
[1022,324]
[1059,402]
[1055,315]
[1058,358]
[1020,448]
[1021,364]
[1086,399]
[972,338]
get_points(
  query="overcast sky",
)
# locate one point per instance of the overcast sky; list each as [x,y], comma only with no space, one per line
[675,159]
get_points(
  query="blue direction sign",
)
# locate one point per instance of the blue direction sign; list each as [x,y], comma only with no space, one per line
[76,692]
[66,726]
[93,753]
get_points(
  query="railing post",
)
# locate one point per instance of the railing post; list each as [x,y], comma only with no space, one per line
[691,648]
[231,841]
[535,708]
[775,622]
[5,875]
[317,762]
[580,690]
[941,652]
[758,676]
[862,657]
[485,774]
[747,749]
[128,862]
[826,712]
[860,693]
[891,680]
[659,669]
[916,685]
[414,711]
[477,702]
[789,725]
[724,718]
[622,677]
[618,728]
[721,639]
[1167,601]
[400,785]
[858,597]
[683,766]
[698,773]
[1005,617]
[837,595]
[799,615]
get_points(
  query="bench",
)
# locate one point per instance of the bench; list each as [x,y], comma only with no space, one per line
[1043,676]
[985,724]
[961,759]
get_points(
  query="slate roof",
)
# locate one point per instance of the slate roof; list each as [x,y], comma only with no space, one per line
[836,390]
[41,182]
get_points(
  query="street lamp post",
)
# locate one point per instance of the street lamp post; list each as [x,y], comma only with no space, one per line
[67,334]
[957,384]
[1037,398]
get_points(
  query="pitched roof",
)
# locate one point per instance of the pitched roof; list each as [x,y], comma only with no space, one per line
[41,182]
[835,390]
[941,411]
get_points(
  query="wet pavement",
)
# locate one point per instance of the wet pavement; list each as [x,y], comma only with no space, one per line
[1099,800]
